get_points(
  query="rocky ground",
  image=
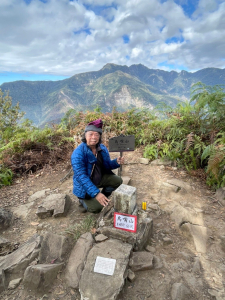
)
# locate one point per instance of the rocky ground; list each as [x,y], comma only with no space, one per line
[188,231]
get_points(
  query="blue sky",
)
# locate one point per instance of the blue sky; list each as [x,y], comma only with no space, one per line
[55,39]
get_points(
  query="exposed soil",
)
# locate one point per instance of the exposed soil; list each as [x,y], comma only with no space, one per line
[174,262]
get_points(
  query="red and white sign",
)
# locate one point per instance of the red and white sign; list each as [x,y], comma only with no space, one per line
[125,222]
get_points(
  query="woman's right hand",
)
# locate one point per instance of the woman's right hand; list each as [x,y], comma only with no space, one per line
[102,199]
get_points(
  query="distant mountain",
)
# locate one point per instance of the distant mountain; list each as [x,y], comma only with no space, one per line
[113,85]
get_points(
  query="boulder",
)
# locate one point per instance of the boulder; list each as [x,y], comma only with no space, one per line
[54,248]
[39,278]
[13,265]
[141,261]
[101,286]
[77,260]
[159,162]
[56,205]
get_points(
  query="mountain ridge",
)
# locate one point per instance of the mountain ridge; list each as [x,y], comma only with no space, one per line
[113,85]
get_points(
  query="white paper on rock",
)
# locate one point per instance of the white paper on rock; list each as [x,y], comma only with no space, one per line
[105,265]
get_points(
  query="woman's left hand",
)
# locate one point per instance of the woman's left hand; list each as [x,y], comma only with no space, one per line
[120,160]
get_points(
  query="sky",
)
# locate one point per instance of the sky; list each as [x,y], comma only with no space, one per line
[56,39]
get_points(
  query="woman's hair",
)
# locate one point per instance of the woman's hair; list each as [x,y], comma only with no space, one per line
[83,138]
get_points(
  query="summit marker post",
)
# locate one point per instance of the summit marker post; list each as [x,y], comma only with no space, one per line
[120,144]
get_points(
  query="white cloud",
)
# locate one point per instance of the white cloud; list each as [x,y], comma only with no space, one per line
[64,37]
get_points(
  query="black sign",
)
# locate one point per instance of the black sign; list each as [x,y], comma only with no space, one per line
[122,143]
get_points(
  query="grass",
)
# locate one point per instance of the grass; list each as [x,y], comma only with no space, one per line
[84,226]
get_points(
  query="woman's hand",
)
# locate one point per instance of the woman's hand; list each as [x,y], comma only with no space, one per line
[120,160]
[102,199]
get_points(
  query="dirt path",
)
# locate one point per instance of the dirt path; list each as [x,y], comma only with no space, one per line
[175,257]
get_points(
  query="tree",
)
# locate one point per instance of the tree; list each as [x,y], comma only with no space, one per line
[9,115]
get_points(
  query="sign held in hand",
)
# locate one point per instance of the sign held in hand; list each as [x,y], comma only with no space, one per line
[122,143]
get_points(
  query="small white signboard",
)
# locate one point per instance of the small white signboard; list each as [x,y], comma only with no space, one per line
[125,222]
[105,265]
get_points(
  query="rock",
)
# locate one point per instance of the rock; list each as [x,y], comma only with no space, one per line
[144,161]
[101,238]
[196,266]
[180,292]
[159,162]
[14,283]
[153,206]
[167,187]
[40,277]
[138,240]
[101,286]
[130,275]
[180,265]
[157,263]
[22,211]
[6,218]
[141,261]
[198,234]
[56,205]
[220,195]
[126,180]
[167,241]
[183,187]
[150,249]
[77,260]
[125,199]
[13,265]
[182,215]
[218,294]
[54,248]
[38,195]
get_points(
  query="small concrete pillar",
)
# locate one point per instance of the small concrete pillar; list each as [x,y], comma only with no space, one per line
[125,199]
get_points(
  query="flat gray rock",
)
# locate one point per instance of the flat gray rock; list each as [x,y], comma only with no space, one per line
[14,283]
[183,187]
[159,162]
[38,195]
[53,248]
[101,237]
[56,205]
[181,215]
[14,264]
[141,261]
[198,234]
[144,161]
[40,277]
[99,286]
[22,211]
[77,260]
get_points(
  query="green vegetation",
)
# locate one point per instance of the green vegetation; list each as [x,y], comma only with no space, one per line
[192,135]
[84,226]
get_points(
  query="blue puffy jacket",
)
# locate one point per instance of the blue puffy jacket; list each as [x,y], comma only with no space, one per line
[82,160]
